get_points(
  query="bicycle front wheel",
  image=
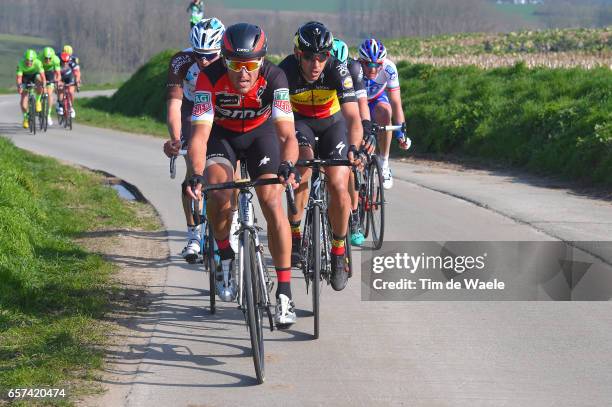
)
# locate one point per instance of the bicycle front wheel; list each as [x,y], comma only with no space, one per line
[253,303]
[376,202]
[212,267]
[32,114]
[316,266]
[44,115]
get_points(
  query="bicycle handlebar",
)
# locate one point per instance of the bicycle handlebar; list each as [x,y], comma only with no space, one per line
[330,162]
[377,127]
[173,163]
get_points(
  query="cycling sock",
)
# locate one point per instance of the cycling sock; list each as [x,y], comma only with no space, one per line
[338,245]
[283,275]
[355,220]
[385,162]
[38,98]
[225,250]
[25,115]
[296,232]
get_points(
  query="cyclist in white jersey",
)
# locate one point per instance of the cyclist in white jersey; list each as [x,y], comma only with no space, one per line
[182,77]
[383,89]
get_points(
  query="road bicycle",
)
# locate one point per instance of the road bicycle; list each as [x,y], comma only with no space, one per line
[315,251]
[208,255]
[66,118]
[371,194]
[31,89]
[253,281]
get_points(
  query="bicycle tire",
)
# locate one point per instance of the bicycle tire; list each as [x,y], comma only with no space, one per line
[316,268]
[44,115]
[212,269]
[361,199]
[376,198]
[32,114]
[253,310]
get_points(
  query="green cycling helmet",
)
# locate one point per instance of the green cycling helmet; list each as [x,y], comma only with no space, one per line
[48,52]
[340,50]
[30,55]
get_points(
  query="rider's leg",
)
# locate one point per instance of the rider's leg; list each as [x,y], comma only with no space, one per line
[382,116]
[71,92]
[24,108]
[339,200]
[218,205]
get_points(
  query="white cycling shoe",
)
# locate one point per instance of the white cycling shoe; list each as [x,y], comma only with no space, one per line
[225,285]
[284,315]
[191,252]
[387,178]
[72,113]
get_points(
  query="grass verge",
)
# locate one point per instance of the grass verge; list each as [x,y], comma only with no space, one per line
[53,293]
[96,112]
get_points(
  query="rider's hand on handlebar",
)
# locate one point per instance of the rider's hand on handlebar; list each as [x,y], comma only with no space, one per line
[369,140]
[354,156]
[194,188]
[288,174]
[172,147]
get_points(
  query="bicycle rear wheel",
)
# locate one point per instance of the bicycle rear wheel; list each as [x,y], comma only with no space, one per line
[316,266]
[252,294]
[212,268]
[44,116]
[376,200]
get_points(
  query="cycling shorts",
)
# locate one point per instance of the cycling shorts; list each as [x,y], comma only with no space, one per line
[27,79]
[331,131]
[50,75]
[68,80]
[260,146]
[383,98]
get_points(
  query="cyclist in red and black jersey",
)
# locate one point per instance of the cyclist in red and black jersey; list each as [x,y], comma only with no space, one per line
[325,105]
[242,105]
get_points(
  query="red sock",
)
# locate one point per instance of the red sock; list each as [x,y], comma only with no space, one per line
[337,246]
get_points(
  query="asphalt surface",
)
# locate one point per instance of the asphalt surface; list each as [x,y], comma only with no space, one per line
[413,353]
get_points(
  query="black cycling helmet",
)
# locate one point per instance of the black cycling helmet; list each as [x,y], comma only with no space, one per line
[244,41]
[314,37]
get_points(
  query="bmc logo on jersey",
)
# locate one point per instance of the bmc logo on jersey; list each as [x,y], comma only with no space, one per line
[202,103]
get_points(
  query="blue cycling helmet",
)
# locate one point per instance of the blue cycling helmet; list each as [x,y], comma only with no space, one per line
[340,50]
[372,50]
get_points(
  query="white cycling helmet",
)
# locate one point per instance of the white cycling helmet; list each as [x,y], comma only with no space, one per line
[206,35]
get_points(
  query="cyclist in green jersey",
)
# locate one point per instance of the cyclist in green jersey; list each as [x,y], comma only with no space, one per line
[30,70]
[196,11]
[51,66]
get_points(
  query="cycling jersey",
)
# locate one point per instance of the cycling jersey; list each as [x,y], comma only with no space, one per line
[51,68]
[387,79]
[323,97]
[67,72]
[216,100]
[182,75]
[35,69]
[356,72]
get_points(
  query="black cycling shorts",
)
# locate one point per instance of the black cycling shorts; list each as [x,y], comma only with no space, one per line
[68,80]
[27,79]
[260,146]
[50,76]
[331,131]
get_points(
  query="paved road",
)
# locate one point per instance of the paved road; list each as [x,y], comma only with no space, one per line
[388,353]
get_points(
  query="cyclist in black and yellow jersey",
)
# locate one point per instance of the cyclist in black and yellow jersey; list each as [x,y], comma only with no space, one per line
[324,105]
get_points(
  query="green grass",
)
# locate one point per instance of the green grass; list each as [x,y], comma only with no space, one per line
[101,86]
[96,112]
[553,121]
[12,48]
[53,294]
[526,11]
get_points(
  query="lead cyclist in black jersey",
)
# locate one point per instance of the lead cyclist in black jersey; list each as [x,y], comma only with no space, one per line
[324,104]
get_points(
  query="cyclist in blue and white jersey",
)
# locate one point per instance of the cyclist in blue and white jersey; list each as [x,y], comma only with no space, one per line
[383,88]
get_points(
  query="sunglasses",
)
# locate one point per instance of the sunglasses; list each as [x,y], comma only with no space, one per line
[208,56]
[372,65]
[237,66]
[319,56]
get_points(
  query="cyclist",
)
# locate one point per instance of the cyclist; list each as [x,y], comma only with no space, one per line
[30,70]
[381,76]
[68,49]
[341,52]
[196,11]
[242,106]
[324,103]
[51,66]
[69,71]
[182,77]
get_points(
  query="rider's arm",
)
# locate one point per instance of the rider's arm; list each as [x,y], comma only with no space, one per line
[282,115]
[174,96]
[173,120]
[19,81]
[202,118]
[360,90]
[348,102]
